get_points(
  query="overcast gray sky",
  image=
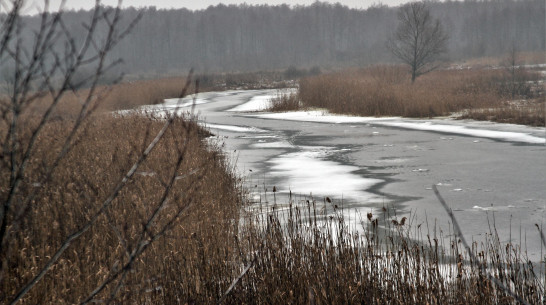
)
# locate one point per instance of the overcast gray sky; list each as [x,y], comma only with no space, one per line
[201,4]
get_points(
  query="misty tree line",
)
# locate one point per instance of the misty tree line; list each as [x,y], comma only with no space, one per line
[243,38]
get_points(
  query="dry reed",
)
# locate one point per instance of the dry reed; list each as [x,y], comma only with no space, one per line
[203,188]
[386,91]
[285,102]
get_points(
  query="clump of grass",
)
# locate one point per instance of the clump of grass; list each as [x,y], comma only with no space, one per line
[127,95]
[285,102]
[531,113]
[386,91]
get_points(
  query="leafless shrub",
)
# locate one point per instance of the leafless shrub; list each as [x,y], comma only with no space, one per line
[285,102]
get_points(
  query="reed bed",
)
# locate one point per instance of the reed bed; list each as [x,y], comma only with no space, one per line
[387,91]
[299,255]
[202,205]
[285,102]
[126,95]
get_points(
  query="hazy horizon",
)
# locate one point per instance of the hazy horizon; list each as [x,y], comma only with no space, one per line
[36,5]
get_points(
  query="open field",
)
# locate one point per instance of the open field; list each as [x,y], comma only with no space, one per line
[499,95]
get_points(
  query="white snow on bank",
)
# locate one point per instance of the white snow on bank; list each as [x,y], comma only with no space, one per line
[257,103]
[233,128]
[320,117]
[307,173]
[429,125]
[170,106]
[181,102]
[462,130]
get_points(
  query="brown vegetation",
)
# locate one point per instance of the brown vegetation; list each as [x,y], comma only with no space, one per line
[525,58]
[285,102]
[387,91]
[202,204]
[301,256]
[127,95]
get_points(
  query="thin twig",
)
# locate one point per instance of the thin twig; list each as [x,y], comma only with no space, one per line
[541,235]
[235,281]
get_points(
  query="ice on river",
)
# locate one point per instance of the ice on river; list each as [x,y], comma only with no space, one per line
[523,135]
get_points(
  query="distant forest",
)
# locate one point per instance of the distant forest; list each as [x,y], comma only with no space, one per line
[250,38]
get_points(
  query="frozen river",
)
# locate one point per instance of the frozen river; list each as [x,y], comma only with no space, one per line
[488,173]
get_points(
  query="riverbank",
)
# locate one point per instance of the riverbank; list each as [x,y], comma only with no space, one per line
[500,95]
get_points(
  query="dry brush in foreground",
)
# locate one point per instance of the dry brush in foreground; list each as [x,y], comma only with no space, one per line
[181,195]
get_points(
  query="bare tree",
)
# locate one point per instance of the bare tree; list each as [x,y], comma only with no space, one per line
[419,38]
[517,80]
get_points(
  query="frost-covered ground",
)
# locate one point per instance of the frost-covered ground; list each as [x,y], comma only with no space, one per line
[489,173]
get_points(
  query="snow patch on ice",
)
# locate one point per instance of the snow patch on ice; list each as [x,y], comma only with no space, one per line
[278,144]
[463,130]
[479,208]
[420,170]
[307,172]
[257,103]
[234,128]
[180,102]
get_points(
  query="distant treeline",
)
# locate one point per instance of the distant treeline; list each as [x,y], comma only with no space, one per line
[242,38]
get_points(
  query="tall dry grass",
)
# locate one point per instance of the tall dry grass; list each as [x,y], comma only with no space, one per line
[134,93]
[205,197]
[285,101]
[302,256]
[386,91]
[126,95]
[523,58]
